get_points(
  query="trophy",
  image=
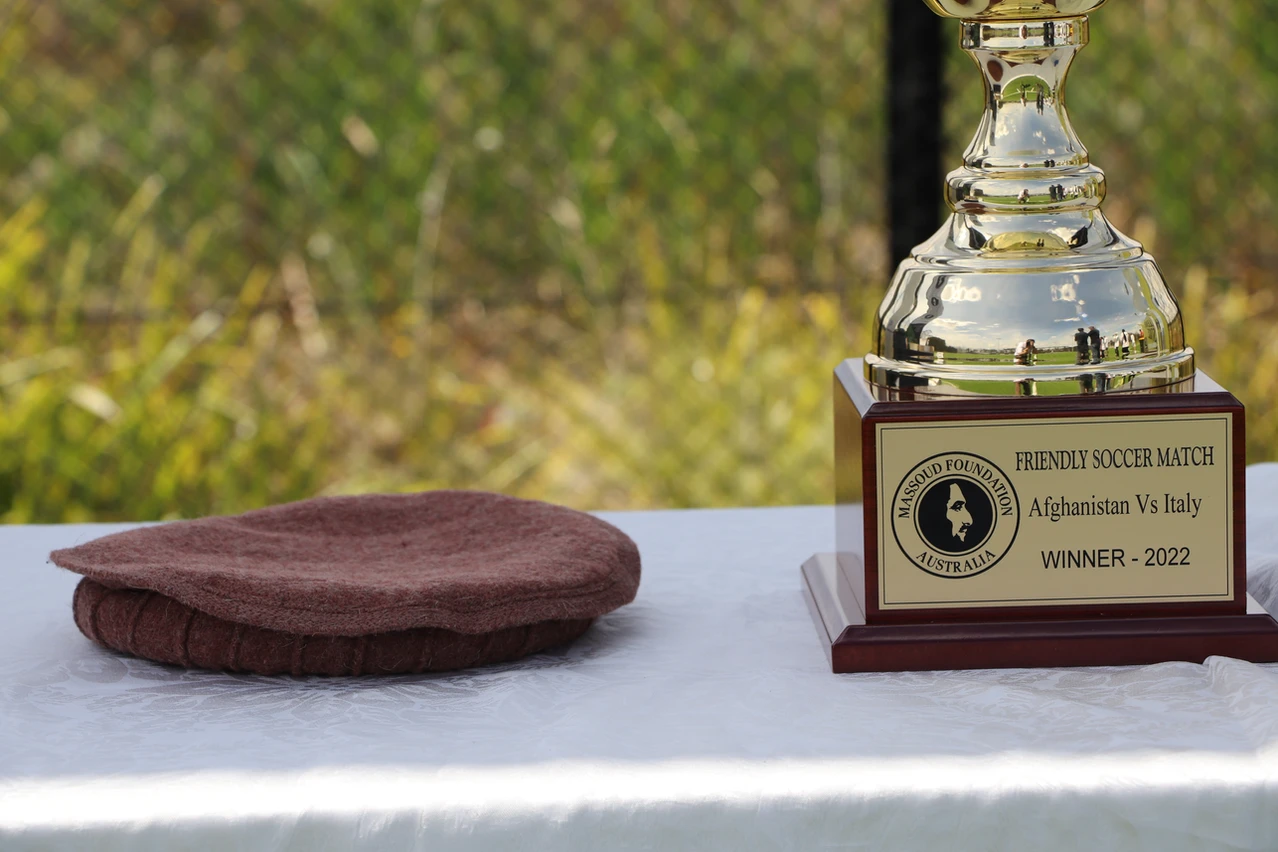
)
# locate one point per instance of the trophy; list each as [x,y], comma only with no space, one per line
[1046,479]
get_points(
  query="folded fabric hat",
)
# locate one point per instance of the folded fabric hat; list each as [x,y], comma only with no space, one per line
[376,584]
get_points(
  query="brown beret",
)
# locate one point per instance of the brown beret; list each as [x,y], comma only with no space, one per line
[379,583]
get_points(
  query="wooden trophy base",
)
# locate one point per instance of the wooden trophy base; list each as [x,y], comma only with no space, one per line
[854,646]
[994,532]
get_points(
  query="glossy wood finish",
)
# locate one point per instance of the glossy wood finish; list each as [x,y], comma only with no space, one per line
[860,407]
[854,646]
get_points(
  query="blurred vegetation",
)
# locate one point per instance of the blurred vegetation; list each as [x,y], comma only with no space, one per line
[600,253]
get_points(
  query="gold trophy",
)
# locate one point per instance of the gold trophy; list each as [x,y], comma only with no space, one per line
[1046,478]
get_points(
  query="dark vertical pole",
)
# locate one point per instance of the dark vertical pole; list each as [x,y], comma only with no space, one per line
[916,98]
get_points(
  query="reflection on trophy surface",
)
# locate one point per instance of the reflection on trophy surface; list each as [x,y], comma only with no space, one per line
[1027,289]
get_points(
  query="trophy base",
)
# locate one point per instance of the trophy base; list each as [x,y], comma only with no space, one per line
[854,646]
[983,509]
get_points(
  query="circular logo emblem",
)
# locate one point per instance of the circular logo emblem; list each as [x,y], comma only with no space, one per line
[955,515]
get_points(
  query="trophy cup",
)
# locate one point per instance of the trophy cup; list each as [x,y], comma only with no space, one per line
[1047,480]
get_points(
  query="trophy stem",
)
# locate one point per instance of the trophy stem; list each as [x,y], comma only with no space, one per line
[1025,156]
[1025,159]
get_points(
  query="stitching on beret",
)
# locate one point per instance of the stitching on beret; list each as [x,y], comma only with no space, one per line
[357,661]
[131,641]
[186,638]
[236,638]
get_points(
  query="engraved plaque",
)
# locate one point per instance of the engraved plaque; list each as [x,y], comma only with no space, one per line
[1081,510]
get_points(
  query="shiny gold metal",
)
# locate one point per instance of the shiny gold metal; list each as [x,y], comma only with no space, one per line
[1027,289]
[1016,10]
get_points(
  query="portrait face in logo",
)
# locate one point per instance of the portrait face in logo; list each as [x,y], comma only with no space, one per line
[956,511]
[955,516]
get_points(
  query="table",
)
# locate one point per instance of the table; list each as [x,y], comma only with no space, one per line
[703,716]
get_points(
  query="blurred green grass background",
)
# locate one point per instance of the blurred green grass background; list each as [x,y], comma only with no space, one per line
[602,253]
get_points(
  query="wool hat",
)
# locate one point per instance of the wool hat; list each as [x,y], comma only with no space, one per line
[382,583]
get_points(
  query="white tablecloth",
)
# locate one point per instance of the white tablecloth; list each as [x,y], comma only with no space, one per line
[703,716]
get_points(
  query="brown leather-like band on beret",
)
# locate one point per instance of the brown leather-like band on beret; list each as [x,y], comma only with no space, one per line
[149,625]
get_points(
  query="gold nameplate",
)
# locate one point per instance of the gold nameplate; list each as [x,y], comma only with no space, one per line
[1051,511]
